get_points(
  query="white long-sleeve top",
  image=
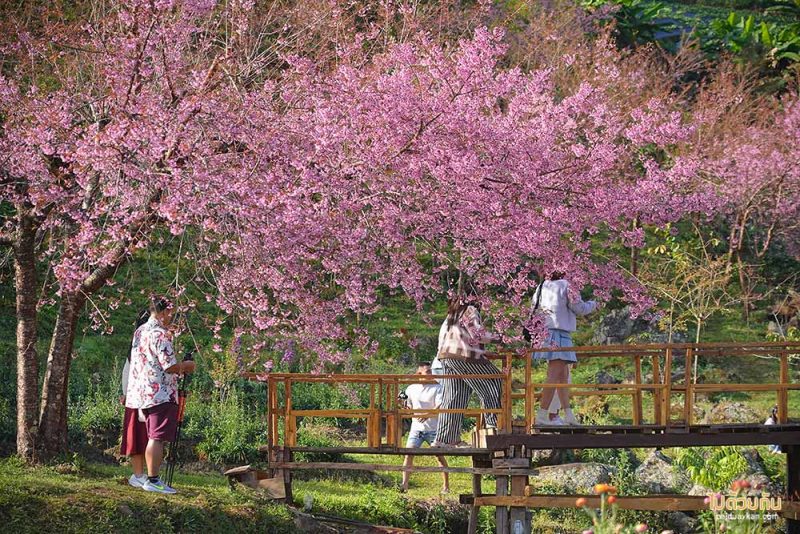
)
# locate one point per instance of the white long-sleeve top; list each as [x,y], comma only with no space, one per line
[125,371]
[559,309]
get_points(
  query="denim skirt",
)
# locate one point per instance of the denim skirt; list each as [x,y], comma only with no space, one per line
[557,338]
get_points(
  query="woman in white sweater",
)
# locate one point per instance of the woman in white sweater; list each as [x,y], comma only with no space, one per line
[560,310]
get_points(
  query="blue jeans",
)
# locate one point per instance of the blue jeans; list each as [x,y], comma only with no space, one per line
[417,437]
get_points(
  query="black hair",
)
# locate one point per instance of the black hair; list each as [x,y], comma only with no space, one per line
[424,364]
[158,304]
[142,318]
[455,309]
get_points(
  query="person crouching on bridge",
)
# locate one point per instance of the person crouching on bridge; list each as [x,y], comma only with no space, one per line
[462,353]
[560,309]
[423,396]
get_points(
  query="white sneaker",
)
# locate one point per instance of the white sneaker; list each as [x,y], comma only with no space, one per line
[137,482]
[543,419]
[569,418]
[158,487]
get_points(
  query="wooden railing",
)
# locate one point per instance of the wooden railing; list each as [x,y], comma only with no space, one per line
[384,414]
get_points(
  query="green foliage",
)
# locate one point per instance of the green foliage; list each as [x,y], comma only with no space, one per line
[713,467]
[436,520]
[776,45]
[96,418]
[310,435]
[7,420]
[785,7]
[232,432]
[636,21]
[486,520]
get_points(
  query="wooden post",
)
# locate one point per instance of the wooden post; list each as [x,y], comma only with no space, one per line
[472,527]
[666,397]
[371,418]
[793,483]
[506,426]
[688,395]
[272,435]
[519,515]
[501,512]
[658,393]
[528,393]
[783,393]
[290,421]
[287,477]
[637,395]
[380,414]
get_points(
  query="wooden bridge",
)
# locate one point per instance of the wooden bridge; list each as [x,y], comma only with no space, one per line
[661,393]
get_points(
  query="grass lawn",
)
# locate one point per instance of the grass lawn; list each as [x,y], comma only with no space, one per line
[96,498]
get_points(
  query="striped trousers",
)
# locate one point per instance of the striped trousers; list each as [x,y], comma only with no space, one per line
[456,393]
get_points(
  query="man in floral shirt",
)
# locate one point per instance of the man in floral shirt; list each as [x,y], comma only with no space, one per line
[153,387]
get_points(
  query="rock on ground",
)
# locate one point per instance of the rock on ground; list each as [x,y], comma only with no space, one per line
[552,457]
[616,326]
[574,477]
[681,523]
[726,412]
[756,474]
[658,475]
[699,489]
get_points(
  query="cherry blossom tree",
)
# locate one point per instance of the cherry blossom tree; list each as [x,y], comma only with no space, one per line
[750,149]
[90,168]
[315,178]
[431,158]
[130,121]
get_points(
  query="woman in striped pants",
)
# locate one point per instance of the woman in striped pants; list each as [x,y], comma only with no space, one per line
[461,353]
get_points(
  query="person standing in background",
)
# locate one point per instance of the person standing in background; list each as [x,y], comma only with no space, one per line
[423,396]
[560,309]
[153,388]
[134,431]
[462,353]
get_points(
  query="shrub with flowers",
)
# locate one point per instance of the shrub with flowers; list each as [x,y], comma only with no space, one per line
[736,522]
[604,520]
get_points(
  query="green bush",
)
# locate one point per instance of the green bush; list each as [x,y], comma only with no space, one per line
[310,435]
[96,419]
[7,421]
[637,21]
[714,467]
[777,46]
[233,432]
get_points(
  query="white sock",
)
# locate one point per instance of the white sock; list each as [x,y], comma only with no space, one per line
[542,414]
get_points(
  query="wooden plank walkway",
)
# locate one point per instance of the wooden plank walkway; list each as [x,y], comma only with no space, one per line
[717,435]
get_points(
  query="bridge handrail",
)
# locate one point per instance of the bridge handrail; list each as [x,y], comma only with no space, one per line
[384,410]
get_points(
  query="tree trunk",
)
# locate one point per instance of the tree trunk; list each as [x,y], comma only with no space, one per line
[27,360]
[53,416]
[746,288]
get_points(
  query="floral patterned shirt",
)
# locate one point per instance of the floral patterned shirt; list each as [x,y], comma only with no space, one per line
[148,383]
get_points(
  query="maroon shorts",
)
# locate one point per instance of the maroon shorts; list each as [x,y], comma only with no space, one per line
[162,421]
[134,434]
